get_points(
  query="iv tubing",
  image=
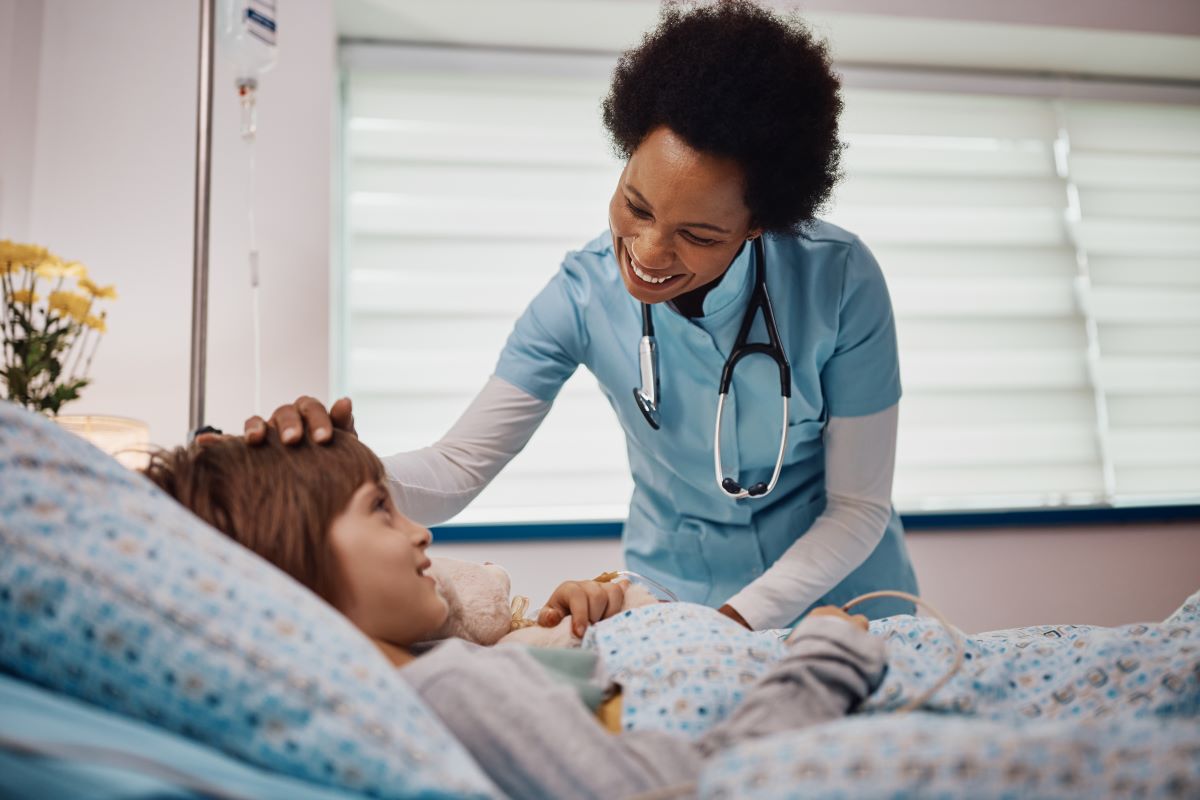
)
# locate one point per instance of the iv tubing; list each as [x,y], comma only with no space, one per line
[256,311]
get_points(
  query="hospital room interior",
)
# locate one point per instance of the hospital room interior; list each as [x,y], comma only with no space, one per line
[219,218]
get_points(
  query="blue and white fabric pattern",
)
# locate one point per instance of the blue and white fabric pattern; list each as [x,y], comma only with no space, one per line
[1048,711]
[681,666]
[112,593]
[925,755]
[1049,671]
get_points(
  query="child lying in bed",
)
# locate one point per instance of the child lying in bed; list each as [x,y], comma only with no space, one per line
[323,514]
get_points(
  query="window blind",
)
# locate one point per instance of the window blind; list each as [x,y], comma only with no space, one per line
[1043,256]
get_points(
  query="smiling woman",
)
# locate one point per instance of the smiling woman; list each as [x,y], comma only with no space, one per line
[726,117]
[677,219]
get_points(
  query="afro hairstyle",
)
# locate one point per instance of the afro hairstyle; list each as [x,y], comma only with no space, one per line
[738,81]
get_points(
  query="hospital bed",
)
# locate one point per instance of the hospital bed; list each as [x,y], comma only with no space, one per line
[142,654]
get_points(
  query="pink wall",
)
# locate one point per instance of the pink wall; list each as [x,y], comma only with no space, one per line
[984,580]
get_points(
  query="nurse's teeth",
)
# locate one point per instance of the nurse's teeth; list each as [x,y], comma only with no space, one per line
[647,278]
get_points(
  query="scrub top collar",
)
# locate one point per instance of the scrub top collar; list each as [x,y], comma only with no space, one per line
[728,296]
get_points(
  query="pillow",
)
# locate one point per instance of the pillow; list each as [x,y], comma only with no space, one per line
[67,748]
[113,593]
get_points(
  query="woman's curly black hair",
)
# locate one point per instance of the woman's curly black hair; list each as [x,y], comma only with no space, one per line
[741,82]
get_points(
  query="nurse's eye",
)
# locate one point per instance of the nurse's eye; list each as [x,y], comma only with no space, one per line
[640,213]
[700,240]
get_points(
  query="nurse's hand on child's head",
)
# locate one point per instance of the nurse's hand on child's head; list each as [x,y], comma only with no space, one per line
[833,611]
[306,413]
[585,601]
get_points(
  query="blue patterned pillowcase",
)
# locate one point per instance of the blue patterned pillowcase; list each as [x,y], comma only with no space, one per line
[113,593]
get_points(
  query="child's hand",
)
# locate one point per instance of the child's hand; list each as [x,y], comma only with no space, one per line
[834,611]
[585,601]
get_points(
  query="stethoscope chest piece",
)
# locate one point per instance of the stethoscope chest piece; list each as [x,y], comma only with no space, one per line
[646,395]
[648,409]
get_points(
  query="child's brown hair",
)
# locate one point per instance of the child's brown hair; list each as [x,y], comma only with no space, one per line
[277,500]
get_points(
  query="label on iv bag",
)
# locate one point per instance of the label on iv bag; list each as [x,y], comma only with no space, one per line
[260,20]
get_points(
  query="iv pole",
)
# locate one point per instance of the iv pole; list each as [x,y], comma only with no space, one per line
[204,97]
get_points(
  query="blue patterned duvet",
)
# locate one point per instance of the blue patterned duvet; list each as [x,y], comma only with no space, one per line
[1051,711]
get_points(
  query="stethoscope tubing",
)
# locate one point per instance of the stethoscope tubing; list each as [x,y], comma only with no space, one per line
[647,395]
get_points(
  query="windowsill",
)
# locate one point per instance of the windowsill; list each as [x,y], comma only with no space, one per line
[917,521]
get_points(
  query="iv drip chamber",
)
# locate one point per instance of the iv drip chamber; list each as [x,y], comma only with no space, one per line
[249,41]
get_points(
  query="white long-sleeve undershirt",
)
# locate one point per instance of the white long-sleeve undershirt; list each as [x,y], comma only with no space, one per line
[860,460]
[434,483]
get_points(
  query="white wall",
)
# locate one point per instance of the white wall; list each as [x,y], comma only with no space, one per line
[20,46]
[108,180]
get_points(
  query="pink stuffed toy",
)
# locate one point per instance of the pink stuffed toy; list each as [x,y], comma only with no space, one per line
[481,610]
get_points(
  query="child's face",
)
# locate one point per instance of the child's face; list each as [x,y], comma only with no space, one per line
[382,586]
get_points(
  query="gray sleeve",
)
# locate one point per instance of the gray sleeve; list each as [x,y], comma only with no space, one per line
[533,736]
[829,670]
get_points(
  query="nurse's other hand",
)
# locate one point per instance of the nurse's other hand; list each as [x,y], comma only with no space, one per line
[732,613]
[585,601]
[833,611]
[306,413]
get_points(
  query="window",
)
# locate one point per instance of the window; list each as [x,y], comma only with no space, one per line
[1043,255]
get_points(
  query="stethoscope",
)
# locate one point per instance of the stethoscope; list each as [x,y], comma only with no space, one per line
[647,395]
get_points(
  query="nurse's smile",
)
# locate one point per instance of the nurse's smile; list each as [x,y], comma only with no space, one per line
[677,219]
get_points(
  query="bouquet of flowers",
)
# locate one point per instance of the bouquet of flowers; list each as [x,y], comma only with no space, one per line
[48,341]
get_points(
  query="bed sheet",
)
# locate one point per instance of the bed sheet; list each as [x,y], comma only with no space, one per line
[1049,711]
[1052,710]
[1049,671]
[683,667]
[932,755]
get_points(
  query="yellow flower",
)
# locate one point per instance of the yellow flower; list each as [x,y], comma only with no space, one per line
[51,267]
[103,292]
[96,323]
[28,254]
[75,305]
[25,296]
[75,269]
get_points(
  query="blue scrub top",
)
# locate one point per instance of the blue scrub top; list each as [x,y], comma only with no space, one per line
[835,321]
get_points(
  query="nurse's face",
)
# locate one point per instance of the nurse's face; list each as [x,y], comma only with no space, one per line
[677,218]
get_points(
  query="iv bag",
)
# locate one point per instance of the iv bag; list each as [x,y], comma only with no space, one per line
[249,40]
[249,35]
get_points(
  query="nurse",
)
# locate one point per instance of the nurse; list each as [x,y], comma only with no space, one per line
[727,119]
